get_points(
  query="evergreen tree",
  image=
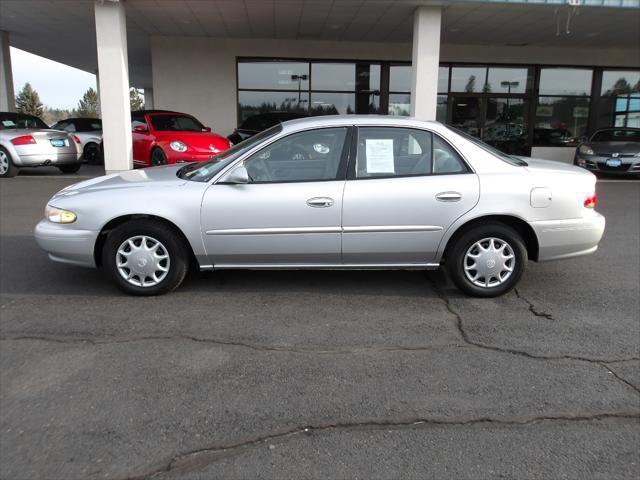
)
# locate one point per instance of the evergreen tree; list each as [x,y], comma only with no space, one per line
[28,101]
[88,104]
[136,100]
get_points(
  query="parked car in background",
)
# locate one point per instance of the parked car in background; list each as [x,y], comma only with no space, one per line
[257,123]
[611,150]
[164,137]
[331,192]
[26,141]
[89,131]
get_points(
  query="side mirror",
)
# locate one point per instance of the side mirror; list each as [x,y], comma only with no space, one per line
[238,175]
[206,129]
[140,128]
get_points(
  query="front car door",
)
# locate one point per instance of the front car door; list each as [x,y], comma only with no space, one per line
[289,213]
[405,187]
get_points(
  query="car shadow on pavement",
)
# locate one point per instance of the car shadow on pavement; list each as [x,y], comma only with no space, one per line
[26,270]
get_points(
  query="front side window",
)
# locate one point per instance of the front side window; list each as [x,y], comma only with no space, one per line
[312,155]
[403,152]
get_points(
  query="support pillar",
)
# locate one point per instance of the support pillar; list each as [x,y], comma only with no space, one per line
[7,95]
[425,64]
[113,65]
[148,99]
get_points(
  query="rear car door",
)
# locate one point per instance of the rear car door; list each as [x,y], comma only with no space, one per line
[289,213]
[405,187]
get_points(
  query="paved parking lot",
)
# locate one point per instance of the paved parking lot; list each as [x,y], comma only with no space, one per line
[319,374]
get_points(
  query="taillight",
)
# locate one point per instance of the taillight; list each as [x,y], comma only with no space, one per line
[76,139]
[23,140]
[591,201]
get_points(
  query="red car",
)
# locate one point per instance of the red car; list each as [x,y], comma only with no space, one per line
[161,137]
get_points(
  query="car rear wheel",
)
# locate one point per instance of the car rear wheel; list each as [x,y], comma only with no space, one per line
[71,168]
[487,260]
[7,168]
[158,157]
[91,153]
[145,258]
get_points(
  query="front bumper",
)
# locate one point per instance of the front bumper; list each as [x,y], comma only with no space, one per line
[65,244]
[593,163]
[560,239]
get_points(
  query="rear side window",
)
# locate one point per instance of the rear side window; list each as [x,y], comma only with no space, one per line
[88,125]
[403,152]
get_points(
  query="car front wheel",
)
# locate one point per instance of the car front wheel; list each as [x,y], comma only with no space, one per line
[158,157]
[7,168]
[145,258]
[487,260]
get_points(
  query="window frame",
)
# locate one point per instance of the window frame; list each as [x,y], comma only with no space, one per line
[352,173]
[341,173]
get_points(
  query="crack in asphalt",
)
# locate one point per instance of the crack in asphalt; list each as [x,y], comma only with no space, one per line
[230,343]
[198,458]
[532,307]
[615,374]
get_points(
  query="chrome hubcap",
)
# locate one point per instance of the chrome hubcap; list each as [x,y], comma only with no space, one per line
[489,262]
[4,163]
[143,261]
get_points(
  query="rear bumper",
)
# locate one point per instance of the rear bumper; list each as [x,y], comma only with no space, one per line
[560,239]
[53,158]
[66,245]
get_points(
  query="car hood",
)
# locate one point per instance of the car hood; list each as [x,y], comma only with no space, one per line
[615,147]
[132,179]
[199,140]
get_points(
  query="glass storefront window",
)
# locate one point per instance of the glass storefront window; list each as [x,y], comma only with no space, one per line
[273,75]
[333,76]
[507,80]
[400,78]
[323,103]
[253,103]
[565,81]
[560,121]
[468,79]
[400,104]
[441,109]
[615,82]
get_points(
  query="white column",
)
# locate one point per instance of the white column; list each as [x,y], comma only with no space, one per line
[426,58]
[7,95]
[111,39]
[98,92]
[148,99]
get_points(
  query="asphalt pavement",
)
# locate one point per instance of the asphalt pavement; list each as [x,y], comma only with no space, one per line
[375,374]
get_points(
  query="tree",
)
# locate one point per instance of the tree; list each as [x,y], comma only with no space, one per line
[28,101]
[135,99]
[89,104]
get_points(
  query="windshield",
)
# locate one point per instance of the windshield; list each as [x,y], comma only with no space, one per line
[13,121]
[203,172]
[510,159]
[175,123]
[621,135]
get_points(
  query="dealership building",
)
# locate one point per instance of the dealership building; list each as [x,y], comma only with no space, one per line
[531,77]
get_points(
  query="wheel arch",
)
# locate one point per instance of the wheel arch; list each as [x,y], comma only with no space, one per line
[116,222]
[518,224]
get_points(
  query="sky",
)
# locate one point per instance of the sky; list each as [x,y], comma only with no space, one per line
[58,85]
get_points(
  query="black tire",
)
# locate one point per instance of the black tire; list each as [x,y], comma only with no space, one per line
[170,240]
[91,153]
[457,257]
[70,168]
[158,157]
[8,168]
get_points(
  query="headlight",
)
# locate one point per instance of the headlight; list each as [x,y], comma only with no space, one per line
[178,146]
[57,215]
[586,149]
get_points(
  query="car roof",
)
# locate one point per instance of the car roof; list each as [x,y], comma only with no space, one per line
[144,112]
[630,129]
[341,120]
[78,118]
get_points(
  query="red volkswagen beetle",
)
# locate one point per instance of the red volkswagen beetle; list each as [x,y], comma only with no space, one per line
[161,137]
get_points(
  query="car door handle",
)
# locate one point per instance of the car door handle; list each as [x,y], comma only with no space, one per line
[449,196]
[320,202]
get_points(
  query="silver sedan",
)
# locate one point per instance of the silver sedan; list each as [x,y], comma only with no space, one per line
[26,141]
[342,192]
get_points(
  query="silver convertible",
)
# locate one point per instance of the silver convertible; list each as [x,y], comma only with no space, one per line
[330,192]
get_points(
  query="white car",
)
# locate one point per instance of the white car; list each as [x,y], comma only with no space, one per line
[346,192]
[89,131]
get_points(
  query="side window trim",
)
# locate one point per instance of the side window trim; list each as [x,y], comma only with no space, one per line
[345,155]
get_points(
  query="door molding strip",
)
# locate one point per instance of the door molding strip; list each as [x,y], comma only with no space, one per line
[308,230]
